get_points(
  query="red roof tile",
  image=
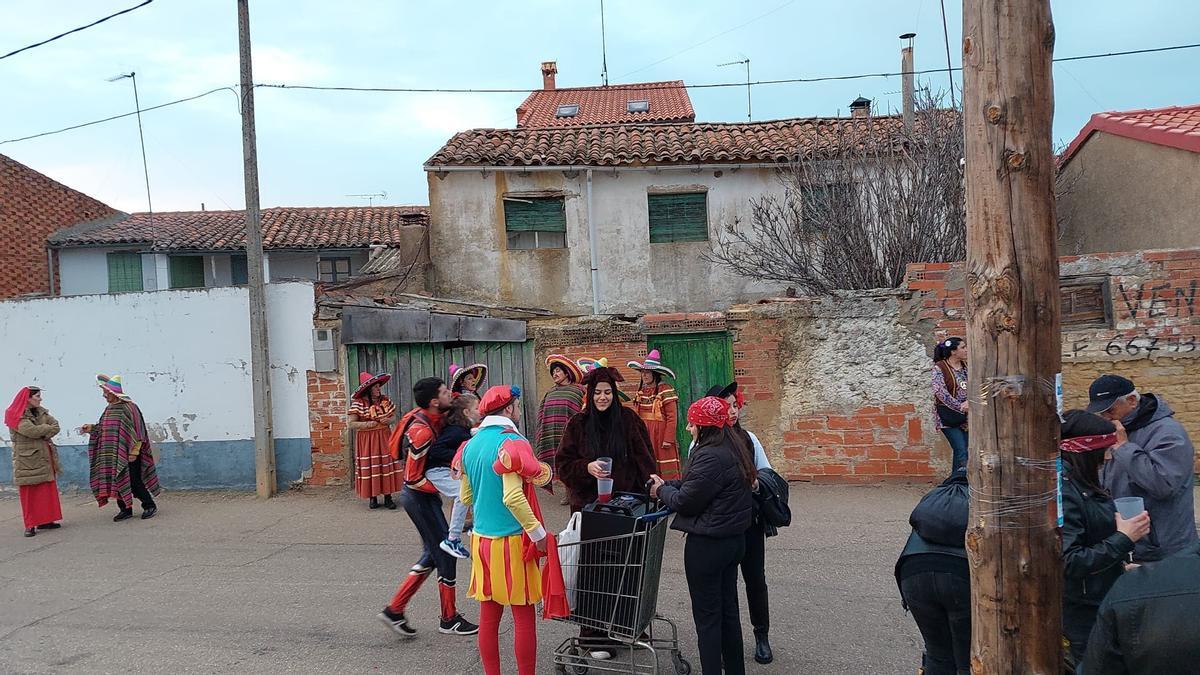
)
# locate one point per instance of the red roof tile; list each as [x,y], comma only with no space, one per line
[1175,127]
[635,144]
[669,102]
[283,228]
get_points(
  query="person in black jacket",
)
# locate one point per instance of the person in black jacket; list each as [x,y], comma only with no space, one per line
[935,582]
[462,418]
[714,508]
[1096,540]
[1147,622]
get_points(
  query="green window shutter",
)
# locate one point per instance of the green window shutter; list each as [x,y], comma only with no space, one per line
[535,214]
[678,217]
[187,271]
[124,272]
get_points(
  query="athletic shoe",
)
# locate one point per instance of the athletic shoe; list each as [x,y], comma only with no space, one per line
[455,548]
[147,514]
[30,532]
[421,569]
[397,623]
[123,515]
[457,625]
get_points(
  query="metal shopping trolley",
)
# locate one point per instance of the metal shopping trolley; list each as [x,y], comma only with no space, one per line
[612,579]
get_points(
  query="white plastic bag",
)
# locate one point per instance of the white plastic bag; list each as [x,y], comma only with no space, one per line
[568,556]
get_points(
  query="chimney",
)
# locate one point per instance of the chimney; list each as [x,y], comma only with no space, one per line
[860,107]
[549,70]
[906,71]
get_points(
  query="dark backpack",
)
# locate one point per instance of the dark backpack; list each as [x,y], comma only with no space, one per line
[772,501]
[941,516]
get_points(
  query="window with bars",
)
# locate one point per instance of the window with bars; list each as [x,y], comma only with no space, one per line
[535,222]
[124,272]
[678,217]
[1085,302]
[186,271]
[333,270]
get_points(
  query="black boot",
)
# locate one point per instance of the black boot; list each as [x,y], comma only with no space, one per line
[762,648]
[30,532]
[387,502]
[374,503]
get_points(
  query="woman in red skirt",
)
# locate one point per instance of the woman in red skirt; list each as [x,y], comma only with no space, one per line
[35,460]
[376,472]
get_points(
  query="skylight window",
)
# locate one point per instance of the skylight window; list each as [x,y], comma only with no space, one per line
[567,110]
[637,106]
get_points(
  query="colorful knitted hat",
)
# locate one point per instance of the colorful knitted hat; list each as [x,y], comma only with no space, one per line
[112,384]
[653,363]
[457,373]
[367,380]
[598,369]
[573,369]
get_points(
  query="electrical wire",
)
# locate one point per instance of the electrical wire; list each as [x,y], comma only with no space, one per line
[433,90]
[75,30]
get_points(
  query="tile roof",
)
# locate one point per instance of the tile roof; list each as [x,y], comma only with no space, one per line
[1175,127]
[283,228]
[669,102]
[639,144]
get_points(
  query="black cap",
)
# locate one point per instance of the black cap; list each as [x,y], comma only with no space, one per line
[1105,391]
[723,391]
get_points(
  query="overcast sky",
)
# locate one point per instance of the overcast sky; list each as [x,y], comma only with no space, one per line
[315,148]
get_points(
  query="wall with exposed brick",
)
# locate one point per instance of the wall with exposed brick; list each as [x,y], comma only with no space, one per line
[327,406]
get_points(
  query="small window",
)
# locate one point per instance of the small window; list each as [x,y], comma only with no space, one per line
[124,272]
[1085,302]
[637,106]
[567,110]
[820,200]
[186,271]
[334,270]
[535,222]
[678,217]
[239,271]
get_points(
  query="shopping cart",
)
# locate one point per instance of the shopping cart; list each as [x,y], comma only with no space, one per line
[612,588]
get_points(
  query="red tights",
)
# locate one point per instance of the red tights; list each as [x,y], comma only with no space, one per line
[524,637]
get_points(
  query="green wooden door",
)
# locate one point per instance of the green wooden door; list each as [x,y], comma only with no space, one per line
[700,361]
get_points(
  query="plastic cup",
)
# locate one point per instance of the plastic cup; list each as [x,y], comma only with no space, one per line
[604,488]
[1129,507]
[605,463]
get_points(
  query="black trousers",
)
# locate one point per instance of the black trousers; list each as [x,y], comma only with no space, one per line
[710,564]
[754,574]
[1078,620]
[425,511]
[138,486]
[940,603]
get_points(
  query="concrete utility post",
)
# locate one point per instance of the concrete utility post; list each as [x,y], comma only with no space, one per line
[260,355]
[1013,333]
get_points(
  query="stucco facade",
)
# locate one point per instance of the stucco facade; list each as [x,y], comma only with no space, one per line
[1129,195]
[471,260]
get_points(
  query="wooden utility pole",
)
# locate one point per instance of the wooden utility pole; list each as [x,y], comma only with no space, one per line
[260,355]
[1014,338]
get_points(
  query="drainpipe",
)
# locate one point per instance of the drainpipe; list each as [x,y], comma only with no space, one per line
[592,247]
[50,267]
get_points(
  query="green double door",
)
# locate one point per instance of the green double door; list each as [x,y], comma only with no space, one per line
[700,361]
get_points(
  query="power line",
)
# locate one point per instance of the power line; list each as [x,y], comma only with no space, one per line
[75,30]
[431,90]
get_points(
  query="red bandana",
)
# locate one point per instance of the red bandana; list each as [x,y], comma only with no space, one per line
[709,411]
[1088,443]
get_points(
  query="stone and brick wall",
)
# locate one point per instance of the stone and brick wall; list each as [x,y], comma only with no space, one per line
[327,406]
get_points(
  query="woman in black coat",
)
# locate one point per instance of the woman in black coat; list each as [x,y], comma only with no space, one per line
[714,509]
[1096,540]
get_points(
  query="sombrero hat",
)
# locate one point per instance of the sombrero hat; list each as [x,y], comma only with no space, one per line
[367,380]
[567,364]
[589,365]
[112,384]
[457,373]
[653,363]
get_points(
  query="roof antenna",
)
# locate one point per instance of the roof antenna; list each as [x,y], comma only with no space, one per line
[137,106]
[745,62]
[371,197]
[603,48]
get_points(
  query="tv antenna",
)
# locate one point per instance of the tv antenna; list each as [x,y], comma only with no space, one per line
[371,197]
[743,62]
[137,106]
[603,48]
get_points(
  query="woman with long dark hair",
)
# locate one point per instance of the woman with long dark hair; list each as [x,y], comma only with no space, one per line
[714,509]
[950,395]
[1096,540]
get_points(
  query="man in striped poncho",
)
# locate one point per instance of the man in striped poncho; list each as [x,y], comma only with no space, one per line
[119,454]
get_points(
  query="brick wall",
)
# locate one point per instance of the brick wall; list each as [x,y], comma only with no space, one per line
[327,406]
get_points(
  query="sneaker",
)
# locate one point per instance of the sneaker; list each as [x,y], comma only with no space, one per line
[457,625]
[147,514]
[30,532]
[421,569]
[455,548]
[397,622]
[123,515]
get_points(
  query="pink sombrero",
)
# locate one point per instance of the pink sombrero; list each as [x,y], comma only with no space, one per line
[653,363]
[367,380]
[457,373]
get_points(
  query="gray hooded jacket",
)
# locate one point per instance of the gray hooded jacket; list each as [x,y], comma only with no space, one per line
[1158,464]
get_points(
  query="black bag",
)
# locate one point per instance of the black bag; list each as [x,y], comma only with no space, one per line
[941,516]
[951,417]
[772,500]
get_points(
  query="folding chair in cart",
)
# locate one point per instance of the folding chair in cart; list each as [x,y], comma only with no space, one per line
[612,578]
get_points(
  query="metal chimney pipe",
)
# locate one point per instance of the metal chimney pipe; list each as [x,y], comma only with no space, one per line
[906,70]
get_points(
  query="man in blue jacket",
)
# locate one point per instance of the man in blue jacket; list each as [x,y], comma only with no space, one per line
[1158,464]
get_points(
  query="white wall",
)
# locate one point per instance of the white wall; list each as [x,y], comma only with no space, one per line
[289,265]
[83,270]
[184,357]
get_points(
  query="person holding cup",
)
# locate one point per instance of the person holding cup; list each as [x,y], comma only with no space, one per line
[1096,540]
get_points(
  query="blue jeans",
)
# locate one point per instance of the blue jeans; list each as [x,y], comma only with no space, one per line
[958,444]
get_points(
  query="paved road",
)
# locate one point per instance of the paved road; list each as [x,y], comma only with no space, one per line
[221,583]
